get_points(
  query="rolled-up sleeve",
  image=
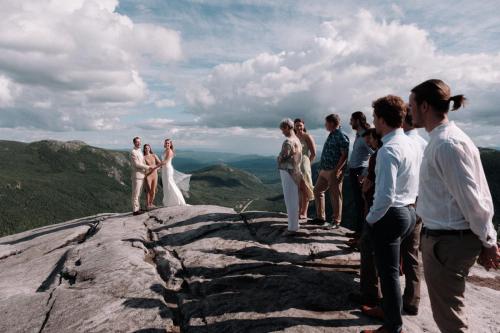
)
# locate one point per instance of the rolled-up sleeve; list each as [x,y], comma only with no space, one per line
[464,177]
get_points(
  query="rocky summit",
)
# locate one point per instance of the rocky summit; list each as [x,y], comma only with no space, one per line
[196,269]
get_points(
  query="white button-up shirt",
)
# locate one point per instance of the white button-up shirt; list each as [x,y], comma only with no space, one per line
[453,191]
[413,133]
[396,174]
[421,143]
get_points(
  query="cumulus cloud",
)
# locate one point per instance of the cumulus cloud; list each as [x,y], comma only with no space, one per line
[347,65]
[76,64]
[155,123]
[8,91]
[165,103]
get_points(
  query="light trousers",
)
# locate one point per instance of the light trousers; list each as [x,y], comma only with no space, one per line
[447,261]
[328,181]
[136,193]
[291,194]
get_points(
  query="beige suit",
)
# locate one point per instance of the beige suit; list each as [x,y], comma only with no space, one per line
[139,168]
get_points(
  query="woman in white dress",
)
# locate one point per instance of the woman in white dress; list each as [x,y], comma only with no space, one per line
[172,180]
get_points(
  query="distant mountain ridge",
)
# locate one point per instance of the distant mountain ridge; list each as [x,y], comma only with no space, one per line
[50,181]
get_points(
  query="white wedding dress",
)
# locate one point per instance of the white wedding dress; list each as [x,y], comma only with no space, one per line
[174,184]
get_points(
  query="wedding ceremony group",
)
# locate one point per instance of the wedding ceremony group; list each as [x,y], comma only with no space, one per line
[410,195]
[145,166]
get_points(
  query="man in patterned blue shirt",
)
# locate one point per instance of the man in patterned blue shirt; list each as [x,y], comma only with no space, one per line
[331,174]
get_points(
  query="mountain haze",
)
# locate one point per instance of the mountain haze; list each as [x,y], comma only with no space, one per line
[46,182]
[51,181]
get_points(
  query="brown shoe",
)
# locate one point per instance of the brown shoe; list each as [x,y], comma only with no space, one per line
[410,310]
[381,329]
[374,312]
[353,242]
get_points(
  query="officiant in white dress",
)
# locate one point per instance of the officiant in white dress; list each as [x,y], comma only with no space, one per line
[289,162]
[174,183]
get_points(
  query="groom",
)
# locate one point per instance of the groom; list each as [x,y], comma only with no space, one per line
[139,169]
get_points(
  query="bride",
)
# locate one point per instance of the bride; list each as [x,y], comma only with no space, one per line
[173,181]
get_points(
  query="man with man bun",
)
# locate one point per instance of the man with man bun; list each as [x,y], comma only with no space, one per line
[455,204]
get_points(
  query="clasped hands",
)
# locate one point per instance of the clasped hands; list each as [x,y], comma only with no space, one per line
[151,169]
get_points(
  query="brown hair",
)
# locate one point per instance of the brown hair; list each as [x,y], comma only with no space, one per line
[390,108]
[333,118]
[144,149]
[373,133]
[299,120]
[408,117]
[438,95]
[133,140]
[358,115]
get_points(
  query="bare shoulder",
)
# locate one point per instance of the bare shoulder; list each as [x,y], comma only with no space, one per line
[309,139]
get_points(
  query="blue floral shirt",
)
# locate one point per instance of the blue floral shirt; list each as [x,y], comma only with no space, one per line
[336,144]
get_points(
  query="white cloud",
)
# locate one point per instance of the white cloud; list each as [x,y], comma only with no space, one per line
[8,91]
[91,67]
[82,56]
[155,124]
[200,97]
[165,103]
[43,104]
[347,65]
[160,43]
[398,11]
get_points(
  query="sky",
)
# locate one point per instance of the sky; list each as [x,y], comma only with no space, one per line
[220,75]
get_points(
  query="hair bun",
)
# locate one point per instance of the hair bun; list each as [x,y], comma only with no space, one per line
[458,101]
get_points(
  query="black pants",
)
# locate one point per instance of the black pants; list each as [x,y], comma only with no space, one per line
[368,276]
[387,235]
[359,205]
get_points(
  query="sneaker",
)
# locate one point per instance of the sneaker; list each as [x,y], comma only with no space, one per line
[328,225]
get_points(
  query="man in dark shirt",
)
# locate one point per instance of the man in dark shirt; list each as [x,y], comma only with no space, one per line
[368,279]
[358,164]
[331,174]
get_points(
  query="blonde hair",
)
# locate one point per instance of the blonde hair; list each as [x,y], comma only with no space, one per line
[171,143]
